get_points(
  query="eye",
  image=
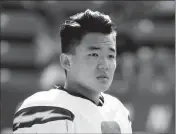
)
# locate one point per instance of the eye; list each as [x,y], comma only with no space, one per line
[93,54]
[111,56]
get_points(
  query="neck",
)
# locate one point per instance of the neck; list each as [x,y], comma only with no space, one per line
[87,92]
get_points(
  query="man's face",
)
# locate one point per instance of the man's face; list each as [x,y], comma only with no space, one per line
[94,63]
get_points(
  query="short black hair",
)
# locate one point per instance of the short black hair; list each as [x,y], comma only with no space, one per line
[75,27]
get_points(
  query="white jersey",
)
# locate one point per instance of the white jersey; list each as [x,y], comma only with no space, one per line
[57,111]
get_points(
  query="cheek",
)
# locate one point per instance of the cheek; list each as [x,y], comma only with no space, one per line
[83,67]
[113,67]
[88,63]
[88,69]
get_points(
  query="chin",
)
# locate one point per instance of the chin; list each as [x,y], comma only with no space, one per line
[102,88]
[98,87]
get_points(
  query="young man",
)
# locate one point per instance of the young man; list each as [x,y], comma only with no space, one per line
[88,57]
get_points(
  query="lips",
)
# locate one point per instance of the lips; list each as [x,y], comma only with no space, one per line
[103,77]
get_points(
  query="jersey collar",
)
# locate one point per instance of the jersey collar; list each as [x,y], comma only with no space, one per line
[101,98]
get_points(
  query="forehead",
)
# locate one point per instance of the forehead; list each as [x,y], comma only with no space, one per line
[99,38]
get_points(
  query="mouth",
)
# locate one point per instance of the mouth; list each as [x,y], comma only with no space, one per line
[103,77]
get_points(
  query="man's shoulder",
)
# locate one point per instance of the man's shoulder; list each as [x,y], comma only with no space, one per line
[116,102]
[112,99]
[41,108]
[54,97]
[40,98]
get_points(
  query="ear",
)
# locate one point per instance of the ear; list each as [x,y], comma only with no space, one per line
[65,61]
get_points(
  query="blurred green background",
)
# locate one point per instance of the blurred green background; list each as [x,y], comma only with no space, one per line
[145,75]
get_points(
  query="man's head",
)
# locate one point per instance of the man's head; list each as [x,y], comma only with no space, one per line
[88,43]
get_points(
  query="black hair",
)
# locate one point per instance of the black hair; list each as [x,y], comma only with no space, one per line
[75,27]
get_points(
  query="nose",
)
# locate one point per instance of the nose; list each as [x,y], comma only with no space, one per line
[103,64]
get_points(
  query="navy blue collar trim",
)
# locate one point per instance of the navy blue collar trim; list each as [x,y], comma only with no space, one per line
[101,98]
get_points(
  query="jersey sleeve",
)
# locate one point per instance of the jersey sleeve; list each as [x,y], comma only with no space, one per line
[43,119]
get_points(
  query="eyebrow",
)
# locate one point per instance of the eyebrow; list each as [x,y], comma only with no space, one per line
[98,48]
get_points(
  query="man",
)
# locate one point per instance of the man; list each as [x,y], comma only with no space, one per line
[88,57]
